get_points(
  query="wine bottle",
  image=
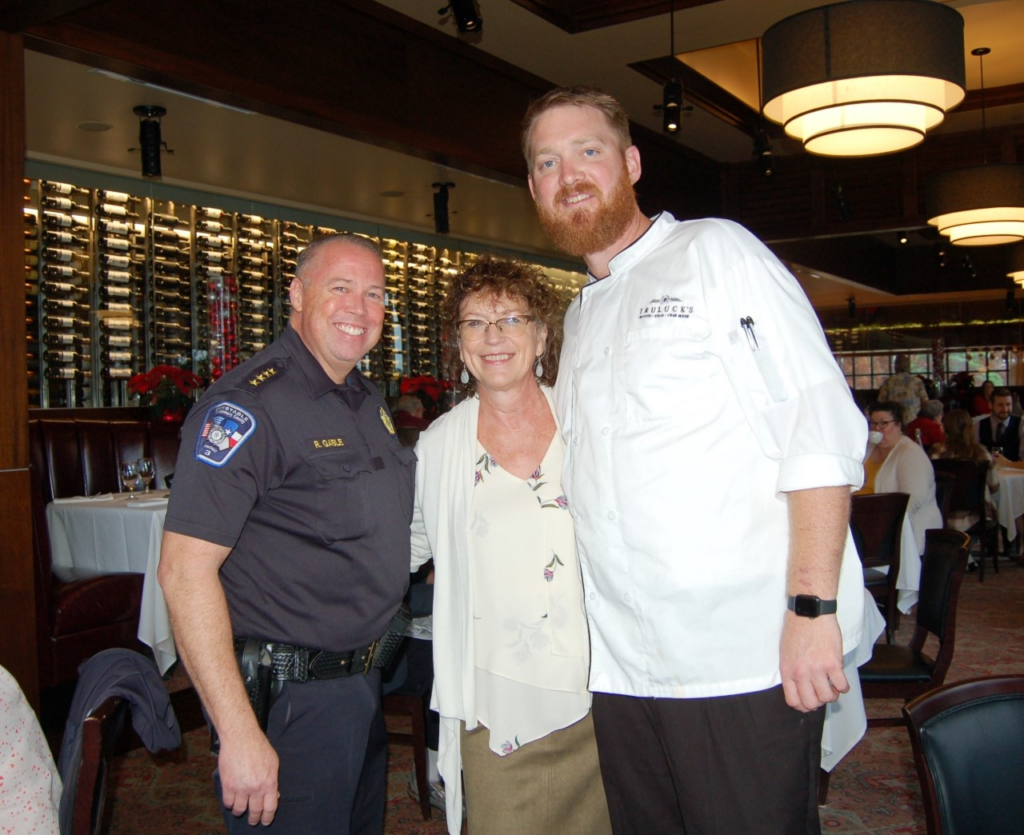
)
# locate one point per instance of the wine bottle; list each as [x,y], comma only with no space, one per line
[213,214]
[116,356]
[64,204]
[252,232]
[114,210]
[255,318]
[211,257]
[116,373]
[119,276]
[251,260]
[65,306]
[57,287]
[72,357]
[118,262]
[159,296]
[167,220]
[162,234]
[120,244]
[169,282]
[64,373]
[64,272]
[62,188]
[253,275]
[168,341]
[113,196]
[62,338]
[115,227]
[115,340]
[209,225]
[254,220]
[54,220]
[257,333]
[254,289]
[251,246]
[65,238]
[253,346]
[115,292]
[209,241]
[118,324]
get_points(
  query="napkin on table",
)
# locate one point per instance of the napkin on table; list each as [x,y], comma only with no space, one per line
[100,497]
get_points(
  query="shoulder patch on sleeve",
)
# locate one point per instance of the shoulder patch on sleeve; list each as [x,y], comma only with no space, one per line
[258,377]
[226,427]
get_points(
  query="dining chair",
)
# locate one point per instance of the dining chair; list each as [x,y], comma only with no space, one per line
[903,672]
[100,732]
[967,739]
[944,493]
[968,497]
[876,522]
[414,708]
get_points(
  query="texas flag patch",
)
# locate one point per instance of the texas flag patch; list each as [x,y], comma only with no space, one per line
[225,428]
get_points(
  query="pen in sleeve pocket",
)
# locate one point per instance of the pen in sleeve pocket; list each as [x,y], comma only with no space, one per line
[748,328]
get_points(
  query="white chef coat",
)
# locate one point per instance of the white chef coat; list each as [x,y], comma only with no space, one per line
[695,389]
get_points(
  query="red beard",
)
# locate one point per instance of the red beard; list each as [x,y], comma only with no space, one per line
[586,230]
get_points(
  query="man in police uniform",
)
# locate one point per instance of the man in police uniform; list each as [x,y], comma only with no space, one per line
[289,523]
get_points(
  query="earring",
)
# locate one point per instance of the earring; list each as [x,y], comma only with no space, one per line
[464,376]
[538,368]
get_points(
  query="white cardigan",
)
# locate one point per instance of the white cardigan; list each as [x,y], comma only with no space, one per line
[908,469]
[440,529]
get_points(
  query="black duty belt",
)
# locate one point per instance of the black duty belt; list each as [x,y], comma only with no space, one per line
[292,663]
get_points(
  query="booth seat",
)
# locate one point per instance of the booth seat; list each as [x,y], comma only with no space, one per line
[76,618]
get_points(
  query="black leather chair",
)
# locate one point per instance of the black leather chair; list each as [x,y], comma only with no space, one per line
[968,496]
[968,741]
[903,672]
[876,522]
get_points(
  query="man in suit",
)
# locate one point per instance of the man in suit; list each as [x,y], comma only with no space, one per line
[1001,429]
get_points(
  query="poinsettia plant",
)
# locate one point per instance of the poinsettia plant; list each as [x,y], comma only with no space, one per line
[168,389]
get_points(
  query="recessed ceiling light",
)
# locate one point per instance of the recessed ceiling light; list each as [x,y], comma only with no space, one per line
[94,127]
[392,194]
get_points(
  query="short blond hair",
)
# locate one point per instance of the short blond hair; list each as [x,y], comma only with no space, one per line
[578,96]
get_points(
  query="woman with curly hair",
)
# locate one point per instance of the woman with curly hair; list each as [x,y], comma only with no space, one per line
[510,638]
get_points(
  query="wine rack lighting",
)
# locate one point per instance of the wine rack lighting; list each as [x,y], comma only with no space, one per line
[116,284]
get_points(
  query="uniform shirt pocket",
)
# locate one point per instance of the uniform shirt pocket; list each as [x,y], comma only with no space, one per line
[666,368]
[341,506]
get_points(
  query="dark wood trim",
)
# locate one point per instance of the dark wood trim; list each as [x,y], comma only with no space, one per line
[17,17]
[17,588]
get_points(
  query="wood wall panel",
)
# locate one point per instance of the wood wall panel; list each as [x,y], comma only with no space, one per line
[17,602]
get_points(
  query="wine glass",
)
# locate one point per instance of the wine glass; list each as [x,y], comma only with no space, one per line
[130,477]
[146,471]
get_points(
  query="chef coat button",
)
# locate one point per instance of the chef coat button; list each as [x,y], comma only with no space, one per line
[627,597]
[575,439]
[593,595]
[607,430]
[611,515]
[607,351]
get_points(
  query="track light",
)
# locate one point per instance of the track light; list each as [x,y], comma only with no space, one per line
[441,226]
[150,143]
[467,18]
[763,153]
[903,237]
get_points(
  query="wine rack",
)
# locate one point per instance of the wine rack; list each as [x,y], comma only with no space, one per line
[116,284]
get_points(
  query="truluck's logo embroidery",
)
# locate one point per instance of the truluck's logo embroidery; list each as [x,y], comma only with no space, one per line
[667,307]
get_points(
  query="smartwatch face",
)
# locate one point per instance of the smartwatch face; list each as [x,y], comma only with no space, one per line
[806,606]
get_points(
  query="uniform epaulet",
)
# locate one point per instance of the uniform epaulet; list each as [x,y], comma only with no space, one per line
[263,375]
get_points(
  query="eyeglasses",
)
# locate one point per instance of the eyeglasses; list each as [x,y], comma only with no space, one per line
[473,330]
[880,424]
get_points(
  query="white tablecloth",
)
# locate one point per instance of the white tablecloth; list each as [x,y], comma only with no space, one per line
[845,719]
[908,581]
[112,535]
[1009,499]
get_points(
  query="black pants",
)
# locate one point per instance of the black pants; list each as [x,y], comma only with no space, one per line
[721,766]
[332,745]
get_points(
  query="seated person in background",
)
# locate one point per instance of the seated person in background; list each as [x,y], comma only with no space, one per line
[409,413]
[960,444]
[1001,431]
[927,424]
[981,402]
[895,464]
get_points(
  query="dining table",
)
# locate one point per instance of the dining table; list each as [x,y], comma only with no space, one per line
[111,533]
[1009,499]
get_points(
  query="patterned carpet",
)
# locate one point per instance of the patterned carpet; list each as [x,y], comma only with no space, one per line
[874,790]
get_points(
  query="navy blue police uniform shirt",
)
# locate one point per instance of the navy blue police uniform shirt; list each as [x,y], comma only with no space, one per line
[307,483]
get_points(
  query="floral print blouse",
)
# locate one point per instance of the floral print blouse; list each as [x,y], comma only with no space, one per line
[530,627]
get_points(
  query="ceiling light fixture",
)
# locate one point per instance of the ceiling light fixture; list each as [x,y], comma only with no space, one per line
[903,237]
[150,143]
[467,18]
[864,77]
[671,106]
[982,205]
[1017,265]
[441,226]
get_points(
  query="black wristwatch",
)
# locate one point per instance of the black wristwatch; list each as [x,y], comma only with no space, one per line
[810,606]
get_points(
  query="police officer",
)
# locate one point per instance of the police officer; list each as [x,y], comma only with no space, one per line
[288,530]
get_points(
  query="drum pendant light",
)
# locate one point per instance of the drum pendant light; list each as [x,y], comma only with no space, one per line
[982,205]
[1017,265]
[864,77]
